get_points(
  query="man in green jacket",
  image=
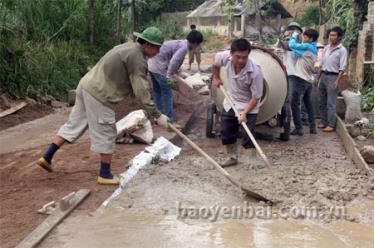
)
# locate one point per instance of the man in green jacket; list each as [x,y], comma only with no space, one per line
[121,72]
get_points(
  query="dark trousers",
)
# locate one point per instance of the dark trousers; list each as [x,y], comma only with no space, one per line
[302,90]
[230,125]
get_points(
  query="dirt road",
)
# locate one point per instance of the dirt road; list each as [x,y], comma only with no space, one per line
[309,171]
[169,204]
[25,188]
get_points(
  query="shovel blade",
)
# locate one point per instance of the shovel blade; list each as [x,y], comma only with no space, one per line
[255,196]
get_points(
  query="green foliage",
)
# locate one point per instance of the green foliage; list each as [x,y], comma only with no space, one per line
[43,44]
[148,11]
[368,98]
[171,28]
[368,89]
[207,33]
[348,14]
[310,16]
[214,44]
[266,10]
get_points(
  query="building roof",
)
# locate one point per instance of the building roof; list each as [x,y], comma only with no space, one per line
[212,8]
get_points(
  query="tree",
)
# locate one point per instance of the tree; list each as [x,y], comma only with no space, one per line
[228,7]
[90,21]
[131,17]
[118,26]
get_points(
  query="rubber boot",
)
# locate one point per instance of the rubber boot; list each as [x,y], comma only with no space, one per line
[108,181]
[42,162]
[250,154]
[232,155]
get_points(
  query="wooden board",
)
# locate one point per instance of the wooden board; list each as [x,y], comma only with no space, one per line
[13,109]
[41,231]
[350,146]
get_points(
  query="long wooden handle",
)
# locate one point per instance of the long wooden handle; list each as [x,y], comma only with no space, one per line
[200,151]
[260,151]
[247,191]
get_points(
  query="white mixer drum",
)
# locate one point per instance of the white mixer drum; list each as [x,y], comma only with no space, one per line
[275,84]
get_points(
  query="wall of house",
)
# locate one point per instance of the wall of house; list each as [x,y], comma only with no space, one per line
[365,48]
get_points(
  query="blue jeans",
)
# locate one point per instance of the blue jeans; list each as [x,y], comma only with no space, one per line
[328,99]
[302,90]
[162,94]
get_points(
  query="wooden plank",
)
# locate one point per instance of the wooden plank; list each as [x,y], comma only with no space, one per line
[350,146]
[13,109]
[41,231]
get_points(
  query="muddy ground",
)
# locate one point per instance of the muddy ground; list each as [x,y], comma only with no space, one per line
[25,188]
[308,170]
[312,171]
[31,111]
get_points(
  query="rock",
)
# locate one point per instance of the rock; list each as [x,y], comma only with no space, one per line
[195,81]
[5,101]
[363,122]
[71,97]
[48,99]
[204,90]
[30,101]
[57,104]
[361,138]
[366,132]
[183,74]
[367,153]
[354,131]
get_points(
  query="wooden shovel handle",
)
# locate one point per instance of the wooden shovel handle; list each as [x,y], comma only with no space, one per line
[260,151]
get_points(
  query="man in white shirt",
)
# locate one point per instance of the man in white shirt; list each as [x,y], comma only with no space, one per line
[245,87]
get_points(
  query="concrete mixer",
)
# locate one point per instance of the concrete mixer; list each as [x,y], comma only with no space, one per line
[274,110]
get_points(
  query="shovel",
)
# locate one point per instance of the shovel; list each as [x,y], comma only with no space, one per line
[245,126]
[248,192]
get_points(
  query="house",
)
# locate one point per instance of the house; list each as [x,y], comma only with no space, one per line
[211,15]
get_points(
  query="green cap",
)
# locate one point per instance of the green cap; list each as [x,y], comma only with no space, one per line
[295,25]
[152,35]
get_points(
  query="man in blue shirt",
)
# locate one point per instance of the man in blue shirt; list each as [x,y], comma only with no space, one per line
[165,65]
[306,55]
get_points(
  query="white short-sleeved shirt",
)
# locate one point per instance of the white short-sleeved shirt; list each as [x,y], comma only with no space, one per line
[243,86]
[334,59]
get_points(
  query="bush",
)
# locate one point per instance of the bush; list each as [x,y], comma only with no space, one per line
[207,33]
[171,29]
[310,16]
[368,98]
[43,44]
[368,90]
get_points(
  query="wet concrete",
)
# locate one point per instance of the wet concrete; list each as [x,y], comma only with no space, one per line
[117,228]
[166,205]
[187,203]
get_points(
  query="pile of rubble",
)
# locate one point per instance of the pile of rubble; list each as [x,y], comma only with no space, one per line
[197,81]
[359,127]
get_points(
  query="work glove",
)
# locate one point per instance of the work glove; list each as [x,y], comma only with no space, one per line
[162,121]
[170,81]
